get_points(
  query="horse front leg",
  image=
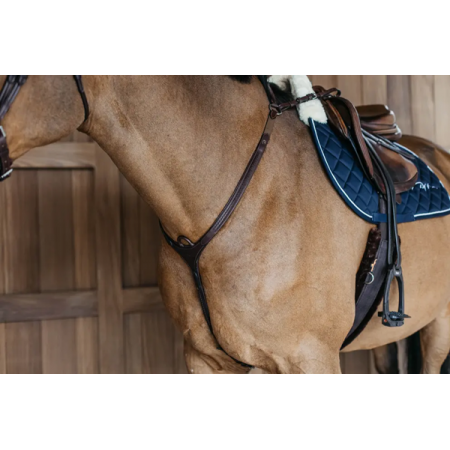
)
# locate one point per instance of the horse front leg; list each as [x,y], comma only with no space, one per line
[435,342]
[313,357]
[214,362]
[317,365]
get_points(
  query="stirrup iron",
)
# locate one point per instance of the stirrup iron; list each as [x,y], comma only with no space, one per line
[394,318]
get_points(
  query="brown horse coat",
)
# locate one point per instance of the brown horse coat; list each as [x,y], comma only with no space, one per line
[280,276]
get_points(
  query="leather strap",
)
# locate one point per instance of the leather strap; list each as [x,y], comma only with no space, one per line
[8,93]
[191,252]
[83,96]
[370,295]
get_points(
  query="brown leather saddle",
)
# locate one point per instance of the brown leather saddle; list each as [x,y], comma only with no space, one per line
[376,124]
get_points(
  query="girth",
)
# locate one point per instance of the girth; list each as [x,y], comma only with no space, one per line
[8,93]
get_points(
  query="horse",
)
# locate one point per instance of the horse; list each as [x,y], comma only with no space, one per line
[280,275]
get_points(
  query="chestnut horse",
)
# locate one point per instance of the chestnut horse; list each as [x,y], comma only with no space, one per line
[280,276]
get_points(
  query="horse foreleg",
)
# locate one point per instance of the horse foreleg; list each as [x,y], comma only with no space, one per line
[215,362]
[312,366]
[386,359]
[312,358]
[435,342]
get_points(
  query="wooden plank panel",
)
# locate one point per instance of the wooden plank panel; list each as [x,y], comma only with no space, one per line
[87,345]
[109,282]
[20,242]
[351,87]
[23,348]
[21,233]
[59,346]
[57,264]
[130,233]
[72,304]
[86,328]
[2,348]
[3,238]
[399,100]
[150,241]
[49,305]
[141,299]
[374,89]
[2,279]
[77,136]
[133,343]
[140,239]
[56,230]
[61,155]
[327,81]
[357,362]
[158,343]
[442,105]
[422,106]
[84,229]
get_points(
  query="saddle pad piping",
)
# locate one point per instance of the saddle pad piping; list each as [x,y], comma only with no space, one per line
[333,178]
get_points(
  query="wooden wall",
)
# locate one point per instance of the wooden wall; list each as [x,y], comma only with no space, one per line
[78,278]
[78,249]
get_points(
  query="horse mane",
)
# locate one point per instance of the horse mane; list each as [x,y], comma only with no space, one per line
[241,78]
[282,95]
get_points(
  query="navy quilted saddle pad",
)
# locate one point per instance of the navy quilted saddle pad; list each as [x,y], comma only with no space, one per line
[427,199]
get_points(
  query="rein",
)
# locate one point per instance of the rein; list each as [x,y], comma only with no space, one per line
[8,94]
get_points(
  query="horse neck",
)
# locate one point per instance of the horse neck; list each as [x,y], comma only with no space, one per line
[182,142]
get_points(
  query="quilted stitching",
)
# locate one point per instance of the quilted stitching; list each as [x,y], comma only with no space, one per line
[427,199]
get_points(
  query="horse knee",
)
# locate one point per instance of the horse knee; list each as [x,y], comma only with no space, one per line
[214,362]
[313,357]
[435,342]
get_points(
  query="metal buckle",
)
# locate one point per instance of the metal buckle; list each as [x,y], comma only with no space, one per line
[274,110]
[307,98]
[6,175]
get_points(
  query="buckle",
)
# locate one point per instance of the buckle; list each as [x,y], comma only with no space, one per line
[275,110]
[325,95]
[307,98]
[6,175]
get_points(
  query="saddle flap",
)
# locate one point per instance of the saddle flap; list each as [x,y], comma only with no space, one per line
[402,170]
[345,119]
